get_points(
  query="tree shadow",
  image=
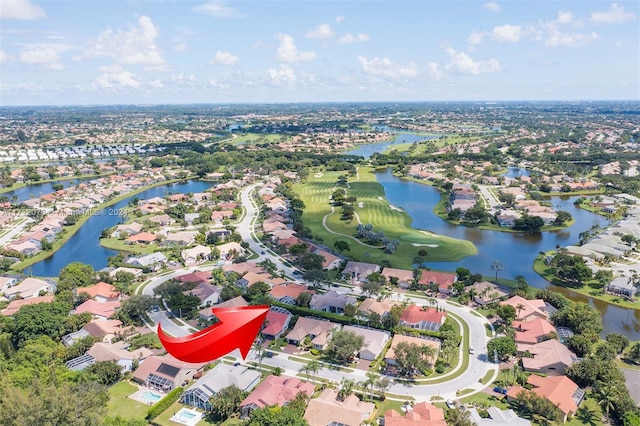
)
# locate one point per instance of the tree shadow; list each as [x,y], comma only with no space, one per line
[586,416]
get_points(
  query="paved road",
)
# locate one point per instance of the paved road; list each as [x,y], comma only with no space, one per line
[15,230]
[494,203]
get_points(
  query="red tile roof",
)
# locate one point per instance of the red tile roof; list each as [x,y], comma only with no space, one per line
[415,314]
[422,413]
[277,390]
[275,322]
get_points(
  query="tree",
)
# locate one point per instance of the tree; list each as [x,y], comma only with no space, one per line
[105,372]
[618,342]
[303,300]
[341,245]
[507,313]
[581,318]
[346,388]
[579,345]
[132,310]
[344,346]
[503,346]
[371,287]
[369,383]
[350,310]
[313,366]
[606,400]
[382,384]
[634,353]
[603,277]
[226,401]
[458,417]
[315,276]
[43,319]
[412,358]
[497,266]
[74,275]
[229,292]
[562,217]
[310,261]
[257,291]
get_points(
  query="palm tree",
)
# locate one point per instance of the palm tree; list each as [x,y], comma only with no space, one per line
[497,266]
[369,383]
[260,353]
[607,399]
[519,308]
[313,366]
[428,352]
[346,388]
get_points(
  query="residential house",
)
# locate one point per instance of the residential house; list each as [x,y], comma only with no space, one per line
[165,372]
[127,229]
[422,318]
[100,292]
[161,219]
[486,292]
[318,331]
[276,322]
[550,357]
[374,341]
[207,293]
[230,250]
[199,394]
[330,261]
[359,271]
[532,332]
[98,310]
[275,391]
[370,305]
[181,238]
[29,287]
[401,338]
[444,280]
[288,292]
[141,238]
[114,352]
[153,261]
[331,301]
[404,276]
[195,255]
[622,286]
[106,330]
[6,282]
[328,410]
[207,313]
[14,306]
[243,267]
[195,277]
[560,390]
[190,218]
[527,310]
[250,278]
[420,414]
[497,417]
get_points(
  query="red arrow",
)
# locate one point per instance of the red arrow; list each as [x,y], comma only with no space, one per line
[237,328]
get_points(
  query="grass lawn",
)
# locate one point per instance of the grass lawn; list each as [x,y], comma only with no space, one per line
[484,400]
[395,224]
[120,405]
[251,138]
[386,405]
[120,245]
[589,413]
[588,289]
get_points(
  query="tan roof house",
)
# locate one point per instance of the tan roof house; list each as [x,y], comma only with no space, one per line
[486,292]
[14,306]
[404,276]
[275,390]
[317,330]
[420,414]
[398,338]
[549,357]
[374,341]
[328,410]
[526,309]
[560,390]
[29,287]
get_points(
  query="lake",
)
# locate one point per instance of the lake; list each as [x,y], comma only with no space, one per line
[401,137]
[516,251]
[85,246]
[38,189]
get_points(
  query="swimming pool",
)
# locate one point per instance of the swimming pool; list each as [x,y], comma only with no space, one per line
[151,396]
[187,417]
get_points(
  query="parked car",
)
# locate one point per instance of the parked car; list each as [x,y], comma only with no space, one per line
[451,404]
[471,350]
[498,389]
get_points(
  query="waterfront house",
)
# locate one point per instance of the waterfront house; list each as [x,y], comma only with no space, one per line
[359,271]
[560,390]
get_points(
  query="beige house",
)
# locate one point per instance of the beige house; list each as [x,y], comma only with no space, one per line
[328,410]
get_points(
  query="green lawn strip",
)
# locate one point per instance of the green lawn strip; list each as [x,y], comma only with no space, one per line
[315,194]
[589,413]
[484,400]
[464,392]
[120,245]
[305,361]
[586,289]
[487,377]
[249,138]
[71,230]
[120,405]
[386,405]
[60,179]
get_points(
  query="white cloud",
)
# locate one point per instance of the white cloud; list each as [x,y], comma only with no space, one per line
[385,67]
[340,19]
[156,84]
[137,46]
[556,38]
[492,6]
[118,80]
[350,38]
[322,31]
[45,55]
[180,47]
[288,52]
[461,63]
[110,68]
[3,56]
[476,37]
[507,33]
[614,15]
[222,57]
[284,75]
[21,9]
[564,17]
[218,9]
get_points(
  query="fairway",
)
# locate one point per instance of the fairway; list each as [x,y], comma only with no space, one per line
[372,207]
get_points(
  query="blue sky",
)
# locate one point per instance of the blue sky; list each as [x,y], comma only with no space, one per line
[158,51]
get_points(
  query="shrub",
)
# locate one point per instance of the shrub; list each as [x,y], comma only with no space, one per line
[164,403]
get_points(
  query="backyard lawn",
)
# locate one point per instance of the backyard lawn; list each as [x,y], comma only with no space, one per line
[120,405]
[372,208]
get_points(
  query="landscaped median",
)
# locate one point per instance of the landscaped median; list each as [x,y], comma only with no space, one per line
[371,207]
[71,230]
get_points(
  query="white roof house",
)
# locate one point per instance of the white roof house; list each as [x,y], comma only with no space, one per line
[374,340]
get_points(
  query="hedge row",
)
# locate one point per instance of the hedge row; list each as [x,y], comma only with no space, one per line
[164,403]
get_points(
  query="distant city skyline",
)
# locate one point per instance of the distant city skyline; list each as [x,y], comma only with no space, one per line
[181,52]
